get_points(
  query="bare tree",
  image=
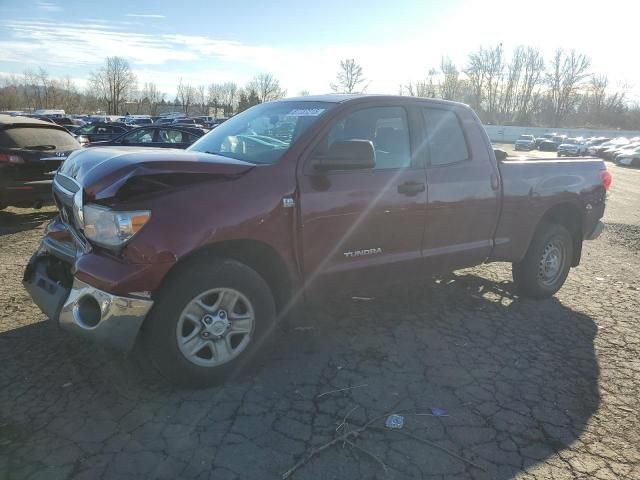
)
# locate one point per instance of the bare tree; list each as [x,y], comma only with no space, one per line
[568,70]
[531,79]
[350,78]
[186,95]
[152,95]
[229,94]
[484,70]
[215,96]
[450,86]
[114,83]
[267,87]
[201,99]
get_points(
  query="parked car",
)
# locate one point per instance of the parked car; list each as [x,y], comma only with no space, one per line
[595,142]
[188,121]
[217,122]
[613,152]
[96,132]
[30,152]
[66,121]
[629,158]
[170,118]
[208,246]
[525,142]
[155,136]
[137,120]
[543,138]
[549,145]
[613,143]
[572,147]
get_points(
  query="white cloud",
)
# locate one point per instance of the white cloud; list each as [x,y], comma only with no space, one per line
[387,63]
[49,7]
[145,15]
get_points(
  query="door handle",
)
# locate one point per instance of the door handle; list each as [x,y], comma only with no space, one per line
[411,189]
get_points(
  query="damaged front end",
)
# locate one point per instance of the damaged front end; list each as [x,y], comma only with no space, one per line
[78,277]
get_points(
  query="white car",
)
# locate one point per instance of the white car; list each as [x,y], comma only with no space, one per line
[525,142]
[572,147]
[630,157]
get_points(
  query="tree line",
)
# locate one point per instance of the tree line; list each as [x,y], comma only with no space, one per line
[113,89]
[522,88]
[526,89]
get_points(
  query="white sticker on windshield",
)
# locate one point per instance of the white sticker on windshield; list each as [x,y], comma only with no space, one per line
[305,112]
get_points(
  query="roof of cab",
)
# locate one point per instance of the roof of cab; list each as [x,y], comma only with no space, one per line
[346,97]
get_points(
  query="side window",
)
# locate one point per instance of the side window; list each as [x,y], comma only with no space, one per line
[386,127]
[144,135]
[171,136]
[445,138]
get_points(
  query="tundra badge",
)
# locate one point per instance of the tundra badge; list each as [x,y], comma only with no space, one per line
[362,253]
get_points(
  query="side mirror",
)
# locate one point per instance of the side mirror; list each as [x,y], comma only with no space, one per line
[347,155]
[500,154]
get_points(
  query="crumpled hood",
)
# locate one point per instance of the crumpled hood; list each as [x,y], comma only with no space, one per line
[102,171]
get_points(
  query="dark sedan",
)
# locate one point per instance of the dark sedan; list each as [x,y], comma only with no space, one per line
[30,152]
[163,136]
[97,132]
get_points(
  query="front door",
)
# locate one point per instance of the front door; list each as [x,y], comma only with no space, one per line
[364,226]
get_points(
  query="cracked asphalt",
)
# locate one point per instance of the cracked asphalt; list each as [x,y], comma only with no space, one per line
[531,389]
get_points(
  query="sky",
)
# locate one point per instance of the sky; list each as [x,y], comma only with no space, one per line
[301,42]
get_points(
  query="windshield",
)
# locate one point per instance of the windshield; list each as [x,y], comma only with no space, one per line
[263,133]
[525,137]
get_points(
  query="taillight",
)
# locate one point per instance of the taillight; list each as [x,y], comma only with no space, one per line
[8,158]
[606,178]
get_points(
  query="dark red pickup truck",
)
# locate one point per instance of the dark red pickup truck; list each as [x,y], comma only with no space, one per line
[195,254]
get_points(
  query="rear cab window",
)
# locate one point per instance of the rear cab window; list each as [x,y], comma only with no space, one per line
[446,142]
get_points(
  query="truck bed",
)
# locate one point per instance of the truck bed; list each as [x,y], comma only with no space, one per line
[531,187]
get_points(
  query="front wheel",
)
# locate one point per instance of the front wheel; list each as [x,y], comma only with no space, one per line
[546,264]
[209,321]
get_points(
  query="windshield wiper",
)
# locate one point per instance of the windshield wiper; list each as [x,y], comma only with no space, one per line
[40,147]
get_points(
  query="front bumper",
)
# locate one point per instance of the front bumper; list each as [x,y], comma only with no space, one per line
[78,307]
[596,232]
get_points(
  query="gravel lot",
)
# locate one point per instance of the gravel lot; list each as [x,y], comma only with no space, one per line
[531,390]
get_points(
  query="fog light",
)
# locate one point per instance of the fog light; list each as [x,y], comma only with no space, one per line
[87,312]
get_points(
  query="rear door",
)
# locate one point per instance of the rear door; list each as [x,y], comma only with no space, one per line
[364,227]
[464,187]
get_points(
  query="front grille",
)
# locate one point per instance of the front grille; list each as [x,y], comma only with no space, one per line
[64,189]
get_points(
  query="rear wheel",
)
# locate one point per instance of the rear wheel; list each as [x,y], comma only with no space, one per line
[209,321]
[546,264]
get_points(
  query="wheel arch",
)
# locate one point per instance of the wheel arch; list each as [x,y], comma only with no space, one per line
[258,255]
[569,216]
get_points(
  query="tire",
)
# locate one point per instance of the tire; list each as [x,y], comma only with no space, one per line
[545,267]
[176,323]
